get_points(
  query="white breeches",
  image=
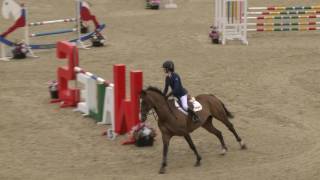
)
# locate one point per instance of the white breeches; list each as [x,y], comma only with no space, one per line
[184,102]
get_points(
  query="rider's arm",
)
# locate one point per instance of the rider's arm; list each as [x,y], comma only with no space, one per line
[165,91]
[177,88]
[170,94]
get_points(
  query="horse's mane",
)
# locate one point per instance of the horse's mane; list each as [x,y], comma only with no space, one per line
[154,89]
[157,90]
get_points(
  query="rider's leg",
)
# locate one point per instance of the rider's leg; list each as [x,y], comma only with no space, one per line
[184,104]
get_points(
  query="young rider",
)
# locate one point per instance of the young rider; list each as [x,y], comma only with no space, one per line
[173,80]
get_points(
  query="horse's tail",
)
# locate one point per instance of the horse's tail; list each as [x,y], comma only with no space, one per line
[229,114]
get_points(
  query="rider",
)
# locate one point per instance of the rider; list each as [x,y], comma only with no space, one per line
[173,80]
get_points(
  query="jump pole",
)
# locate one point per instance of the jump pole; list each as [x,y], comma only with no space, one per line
[53,32]
[78,22]
[275,8]
[286,17]
[26,33]
[283,12]
[52,22]
[77,19]
[286,29]
[285,24]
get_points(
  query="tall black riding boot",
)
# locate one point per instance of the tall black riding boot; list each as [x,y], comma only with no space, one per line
[193,116]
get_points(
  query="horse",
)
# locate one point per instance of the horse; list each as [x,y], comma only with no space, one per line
[172,122]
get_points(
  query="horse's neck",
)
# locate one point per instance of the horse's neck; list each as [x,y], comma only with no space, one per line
[167,119]
[161,107]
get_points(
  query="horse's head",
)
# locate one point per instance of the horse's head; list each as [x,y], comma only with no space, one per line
[10,8]
[149,98]
[146,105]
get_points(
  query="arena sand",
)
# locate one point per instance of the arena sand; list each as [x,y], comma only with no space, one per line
[271,86]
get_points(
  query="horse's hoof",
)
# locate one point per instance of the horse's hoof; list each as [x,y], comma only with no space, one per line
[223,152]
[162,171]
[243,145]
[198,163]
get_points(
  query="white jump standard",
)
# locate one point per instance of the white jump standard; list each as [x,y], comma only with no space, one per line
[232,20]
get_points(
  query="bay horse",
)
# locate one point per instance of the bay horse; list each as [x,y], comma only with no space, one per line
[173,122]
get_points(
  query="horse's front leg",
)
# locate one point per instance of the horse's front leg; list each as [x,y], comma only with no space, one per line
[166,140]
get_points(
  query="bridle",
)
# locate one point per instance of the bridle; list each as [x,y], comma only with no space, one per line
[150,112]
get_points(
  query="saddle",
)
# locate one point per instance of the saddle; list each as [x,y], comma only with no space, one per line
[192,103]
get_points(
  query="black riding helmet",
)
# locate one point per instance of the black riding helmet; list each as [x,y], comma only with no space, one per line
[168,65]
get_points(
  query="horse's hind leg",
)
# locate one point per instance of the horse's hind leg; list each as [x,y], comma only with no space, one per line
[210,128]
[193,147]
[230,126]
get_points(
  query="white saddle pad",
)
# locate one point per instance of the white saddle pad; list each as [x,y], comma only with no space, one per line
[196,105]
